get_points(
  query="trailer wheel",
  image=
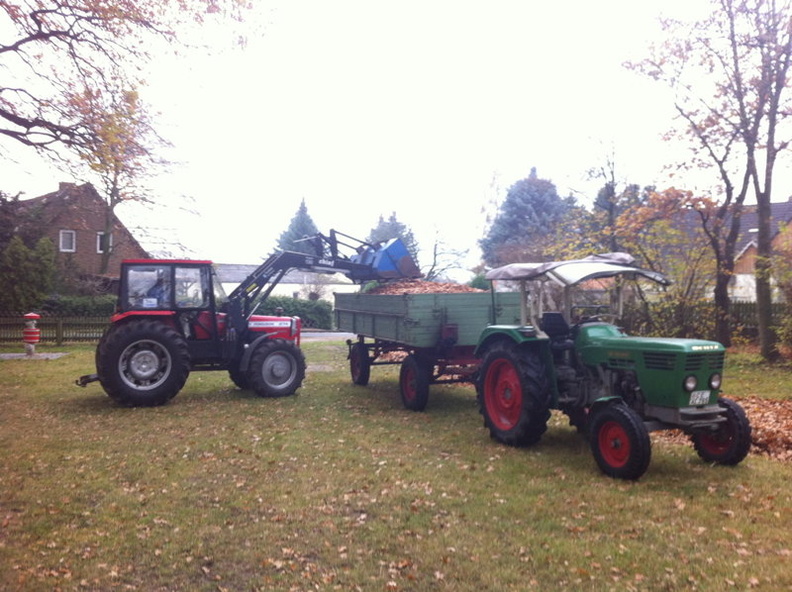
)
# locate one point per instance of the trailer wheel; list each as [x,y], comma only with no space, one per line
[142,363]
[620,442]
[277,368]
[414,379]
[730,442]
[359,364]
[513,395]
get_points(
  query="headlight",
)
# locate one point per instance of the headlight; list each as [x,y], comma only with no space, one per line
[715,381]
[690,383]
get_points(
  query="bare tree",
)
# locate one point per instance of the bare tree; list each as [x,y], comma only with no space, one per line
[49,47]
[729,74]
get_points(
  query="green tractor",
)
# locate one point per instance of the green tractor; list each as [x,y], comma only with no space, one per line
[613,387]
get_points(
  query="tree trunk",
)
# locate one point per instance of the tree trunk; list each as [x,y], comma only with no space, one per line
[763,275]
[723,308]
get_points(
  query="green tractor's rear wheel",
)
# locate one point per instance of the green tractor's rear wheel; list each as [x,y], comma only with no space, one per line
[415,377]
[142,363]
[276,369]
[620,442]
[513,394]
[729,443]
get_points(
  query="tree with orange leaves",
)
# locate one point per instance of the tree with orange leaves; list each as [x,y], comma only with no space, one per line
[666,233]
[729,72]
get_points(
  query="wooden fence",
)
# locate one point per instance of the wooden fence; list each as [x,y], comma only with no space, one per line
[57,330]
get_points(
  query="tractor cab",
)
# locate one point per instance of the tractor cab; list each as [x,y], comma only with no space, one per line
[551,293]
[168,285]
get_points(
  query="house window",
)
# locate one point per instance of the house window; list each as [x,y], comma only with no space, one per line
[68,241]
[102,242]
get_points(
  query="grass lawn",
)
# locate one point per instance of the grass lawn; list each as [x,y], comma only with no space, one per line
[340,488]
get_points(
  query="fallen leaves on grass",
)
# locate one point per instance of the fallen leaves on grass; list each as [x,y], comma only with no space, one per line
[771,427]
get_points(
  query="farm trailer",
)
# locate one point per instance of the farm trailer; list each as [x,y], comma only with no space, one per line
[436,334]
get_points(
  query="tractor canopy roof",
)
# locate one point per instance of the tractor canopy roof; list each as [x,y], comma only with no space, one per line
[569,273]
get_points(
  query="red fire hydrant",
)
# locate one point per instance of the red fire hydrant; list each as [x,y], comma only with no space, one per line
[31,334]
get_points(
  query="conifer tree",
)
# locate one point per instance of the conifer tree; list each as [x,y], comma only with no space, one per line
[300,227]
[386,230]
[525,222]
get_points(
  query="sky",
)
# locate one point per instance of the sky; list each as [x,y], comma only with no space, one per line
[429,109]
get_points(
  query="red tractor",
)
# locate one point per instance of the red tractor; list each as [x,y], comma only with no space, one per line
[174,317]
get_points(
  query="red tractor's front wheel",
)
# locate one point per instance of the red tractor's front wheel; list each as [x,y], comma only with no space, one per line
[513,394]
[620,442]
[277,368]
[142,363]
[730,441]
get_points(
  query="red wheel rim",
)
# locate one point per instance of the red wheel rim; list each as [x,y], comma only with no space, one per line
[503,394]
[614,444]
[718,442]
[408,383]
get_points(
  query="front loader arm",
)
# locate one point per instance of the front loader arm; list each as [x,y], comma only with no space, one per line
[369,262]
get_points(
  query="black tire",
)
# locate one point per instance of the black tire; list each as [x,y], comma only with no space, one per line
[142,363]
[620,442]
[239,378]
[415,377]
[730,442]
[277,368]
[513,394]
[359,364]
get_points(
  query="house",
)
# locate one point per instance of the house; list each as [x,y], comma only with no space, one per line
[74,218]
[295,284]
[743,284]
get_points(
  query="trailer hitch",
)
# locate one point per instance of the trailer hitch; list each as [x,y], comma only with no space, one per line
[86,379]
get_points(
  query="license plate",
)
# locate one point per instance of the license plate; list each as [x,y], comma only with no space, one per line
[699,398]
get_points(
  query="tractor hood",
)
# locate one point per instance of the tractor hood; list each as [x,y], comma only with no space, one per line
[609,339]
[569,273]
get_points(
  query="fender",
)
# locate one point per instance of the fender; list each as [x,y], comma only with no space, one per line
[244,363]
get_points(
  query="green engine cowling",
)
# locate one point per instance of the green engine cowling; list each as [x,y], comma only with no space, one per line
[671,372]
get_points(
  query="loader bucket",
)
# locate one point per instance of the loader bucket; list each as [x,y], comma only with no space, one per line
[390,261]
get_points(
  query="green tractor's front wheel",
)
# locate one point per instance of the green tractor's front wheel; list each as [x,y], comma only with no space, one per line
[730,441]
[620,442]
[513,394]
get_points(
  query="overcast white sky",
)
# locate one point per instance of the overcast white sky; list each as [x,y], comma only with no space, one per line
[429,109]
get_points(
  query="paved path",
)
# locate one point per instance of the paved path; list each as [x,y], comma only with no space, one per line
[33,357]
[337,336]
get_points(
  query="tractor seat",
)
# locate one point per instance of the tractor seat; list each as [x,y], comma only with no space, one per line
[558,330]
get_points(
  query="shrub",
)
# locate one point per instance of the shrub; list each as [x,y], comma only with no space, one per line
[79,306]
[316,314]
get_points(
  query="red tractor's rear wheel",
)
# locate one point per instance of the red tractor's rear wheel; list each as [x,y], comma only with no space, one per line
[142,363]
[620,442]
[730,442]
[513,394]
[414,380]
